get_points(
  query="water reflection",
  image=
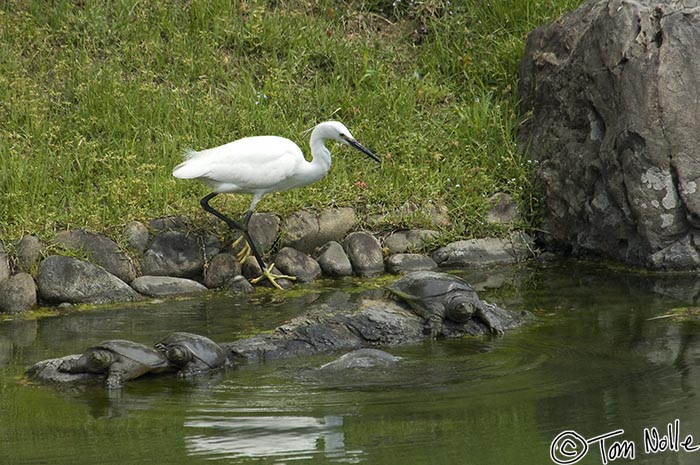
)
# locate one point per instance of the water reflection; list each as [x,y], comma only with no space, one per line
[297,437]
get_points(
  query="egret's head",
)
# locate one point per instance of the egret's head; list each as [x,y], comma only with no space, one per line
[337,131]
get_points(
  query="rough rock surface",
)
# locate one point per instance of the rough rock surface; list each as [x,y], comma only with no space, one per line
[295,263]
[407,262]
[102,250]
[29,250]
[175,253]
[137,235]
[67,279]
[503,209]
[18,293]
[362,358]
[333,260]
[480,252]
[612,92]
[4,265]
[306,231]
[365,253]
[264,228]
[163,286]
[220,269]
[410,240]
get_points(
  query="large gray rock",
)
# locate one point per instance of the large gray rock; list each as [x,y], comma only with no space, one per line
[18,293]
[67,279]
[264,229]
[102,251]
[179,254]
[365,253]
[487,251]
[611,89]
[306,231]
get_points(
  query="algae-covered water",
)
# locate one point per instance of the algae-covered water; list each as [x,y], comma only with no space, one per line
[595,369]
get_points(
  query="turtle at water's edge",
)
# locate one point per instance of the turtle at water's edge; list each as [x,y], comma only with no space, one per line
[437,297]
[120,360]
[192,354]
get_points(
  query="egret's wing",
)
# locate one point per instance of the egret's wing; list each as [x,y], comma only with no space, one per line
[245,165]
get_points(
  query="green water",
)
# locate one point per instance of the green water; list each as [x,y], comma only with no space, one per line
[593,362]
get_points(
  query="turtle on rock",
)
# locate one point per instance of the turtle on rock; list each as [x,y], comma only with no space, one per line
[120,360]
[437,297]
[192,354]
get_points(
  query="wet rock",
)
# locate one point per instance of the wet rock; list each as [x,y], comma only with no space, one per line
[369,323]
[18,293]
[29,250]
[489,251]
[178,254]
[306,231]
[47,372]
[137,236]
[251,270]
[362,358]
[163,286]
[333,260]
[4,265]
[408,262]
[239,285]
[365,253]
[610,90]
[503,209]
[221,268]
[67,279]
[409,240]
[102,251]
[295,263]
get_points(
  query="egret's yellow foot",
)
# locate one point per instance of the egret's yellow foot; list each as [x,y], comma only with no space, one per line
[270,276]
[244,252]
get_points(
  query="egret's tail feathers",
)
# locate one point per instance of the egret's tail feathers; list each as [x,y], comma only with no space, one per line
[187,169]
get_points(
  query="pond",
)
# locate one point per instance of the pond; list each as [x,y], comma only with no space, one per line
[596,361]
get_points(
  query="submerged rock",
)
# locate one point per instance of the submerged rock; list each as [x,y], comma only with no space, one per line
[362,358]
[67,279]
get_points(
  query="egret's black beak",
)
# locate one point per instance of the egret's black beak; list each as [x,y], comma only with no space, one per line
[356,145]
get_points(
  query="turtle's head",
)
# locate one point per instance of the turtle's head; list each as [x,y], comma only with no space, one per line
[460,307]
[178,355]
[98,360]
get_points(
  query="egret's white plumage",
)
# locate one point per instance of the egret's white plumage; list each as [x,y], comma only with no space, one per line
[262,164]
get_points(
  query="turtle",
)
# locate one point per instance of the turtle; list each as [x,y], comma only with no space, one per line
[437,297]
[119,359]
[192,354]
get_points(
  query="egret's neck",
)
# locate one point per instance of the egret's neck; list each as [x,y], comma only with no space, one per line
[320,155]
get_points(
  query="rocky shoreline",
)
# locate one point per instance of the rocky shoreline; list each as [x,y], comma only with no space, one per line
[170,257]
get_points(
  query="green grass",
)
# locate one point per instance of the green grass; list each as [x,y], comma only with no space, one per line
[98,100]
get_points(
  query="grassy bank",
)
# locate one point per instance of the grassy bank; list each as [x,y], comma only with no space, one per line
[98,100]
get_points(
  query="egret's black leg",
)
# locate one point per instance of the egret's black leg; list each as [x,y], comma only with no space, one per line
[266,271]
[243,228]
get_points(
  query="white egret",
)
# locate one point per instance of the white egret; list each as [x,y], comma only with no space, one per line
[261,164]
